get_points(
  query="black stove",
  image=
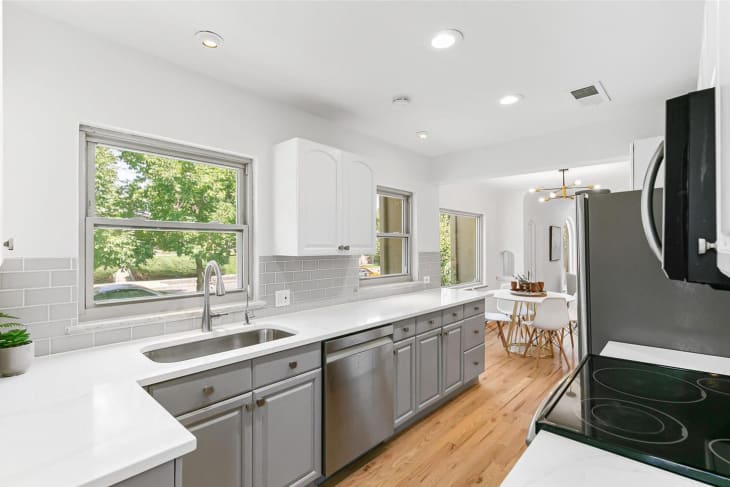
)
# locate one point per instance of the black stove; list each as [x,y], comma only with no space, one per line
[672,418]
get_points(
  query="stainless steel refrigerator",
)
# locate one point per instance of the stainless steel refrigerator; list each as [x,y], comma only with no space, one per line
[623,293]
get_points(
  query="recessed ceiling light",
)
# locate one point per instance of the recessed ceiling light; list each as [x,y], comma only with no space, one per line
[510,99]
[422,134]
[209,39]
[446,38]
[577,182]
[401,101]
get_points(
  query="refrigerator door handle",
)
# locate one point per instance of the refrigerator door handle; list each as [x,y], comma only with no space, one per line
[647,202]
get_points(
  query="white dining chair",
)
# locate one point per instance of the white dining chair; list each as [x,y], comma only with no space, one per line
[573,316]
[493,314]
[504,306]
[546,329]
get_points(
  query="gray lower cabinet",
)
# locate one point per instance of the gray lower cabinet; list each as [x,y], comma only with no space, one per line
[473,363]
[287,432]
[452,357]
[405,380]
[428,368]
[165,475]
[223,454]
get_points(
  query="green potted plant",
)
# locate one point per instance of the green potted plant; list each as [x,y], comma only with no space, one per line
[16,347]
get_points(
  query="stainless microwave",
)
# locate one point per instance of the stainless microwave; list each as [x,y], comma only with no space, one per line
[688,248]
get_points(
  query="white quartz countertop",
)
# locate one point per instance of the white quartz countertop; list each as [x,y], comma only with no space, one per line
[553,460]
[83,419]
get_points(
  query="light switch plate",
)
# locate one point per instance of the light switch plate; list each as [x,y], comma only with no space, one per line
[283,298]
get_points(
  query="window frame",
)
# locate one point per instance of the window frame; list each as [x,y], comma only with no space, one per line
[406,235]
[479,278]
[89,137]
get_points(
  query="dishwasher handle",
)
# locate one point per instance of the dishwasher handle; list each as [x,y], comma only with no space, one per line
[354,350]
[348,341]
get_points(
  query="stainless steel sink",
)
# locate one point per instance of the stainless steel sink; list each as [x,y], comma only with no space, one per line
[209,346]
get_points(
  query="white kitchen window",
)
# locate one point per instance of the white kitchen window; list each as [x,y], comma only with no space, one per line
[392,259]
[154,213]
[460,247]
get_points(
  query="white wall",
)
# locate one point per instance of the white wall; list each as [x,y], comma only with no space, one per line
[501,221]
[544,215]
[580,146]
[510,227]
[57,77]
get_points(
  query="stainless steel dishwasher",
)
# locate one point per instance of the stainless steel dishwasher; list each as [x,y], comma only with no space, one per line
[358,395]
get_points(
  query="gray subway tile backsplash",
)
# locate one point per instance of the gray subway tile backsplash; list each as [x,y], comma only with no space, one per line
[68,343]
[146,331]
[42,347]
[24,280]
[46,263]
[48,329]
[49,295]
[11,299]
[63,278]
[107,337]
[29,314]
[43,294]
[63,311]
[12,264]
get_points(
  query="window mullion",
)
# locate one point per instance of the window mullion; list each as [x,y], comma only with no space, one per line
[135,223]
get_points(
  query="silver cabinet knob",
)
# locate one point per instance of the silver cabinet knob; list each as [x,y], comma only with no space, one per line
[476,363]
[208,390]
[340,247]
[430,322]
[260,402]
[405,329]
[293,365]
[248,406]
[476,332]
[347,247]
[454,314]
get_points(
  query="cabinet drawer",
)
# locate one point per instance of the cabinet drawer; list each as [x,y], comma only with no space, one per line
[452,315]
[428,322]
[473,332]
[473,363]
[282,365]
[475,308]
[404,329]
[199,390]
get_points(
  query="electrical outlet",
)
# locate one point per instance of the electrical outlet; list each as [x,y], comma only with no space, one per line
[427,279]
[283,298]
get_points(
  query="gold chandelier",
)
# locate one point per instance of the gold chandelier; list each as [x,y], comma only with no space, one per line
[563,192]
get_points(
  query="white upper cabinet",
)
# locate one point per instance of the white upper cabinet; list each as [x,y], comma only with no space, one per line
[359,205]
[324,201]
[715,72]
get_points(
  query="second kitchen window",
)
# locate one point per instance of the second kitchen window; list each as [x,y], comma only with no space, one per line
[391,261]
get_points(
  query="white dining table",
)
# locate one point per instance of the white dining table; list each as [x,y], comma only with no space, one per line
[519,300]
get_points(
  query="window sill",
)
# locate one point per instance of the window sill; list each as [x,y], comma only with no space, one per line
[376,291]
[160,317]
[468,285]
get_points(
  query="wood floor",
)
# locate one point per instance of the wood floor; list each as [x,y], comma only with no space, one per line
[473,440]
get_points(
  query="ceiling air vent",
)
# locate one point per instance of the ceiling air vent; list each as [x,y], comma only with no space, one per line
[594,94]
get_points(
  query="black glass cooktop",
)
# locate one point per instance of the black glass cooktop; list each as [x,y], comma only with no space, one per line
[672,418]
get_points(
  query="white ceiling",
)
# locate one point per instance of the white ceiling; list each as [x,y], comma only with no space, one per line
[345,60]
[614,176]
